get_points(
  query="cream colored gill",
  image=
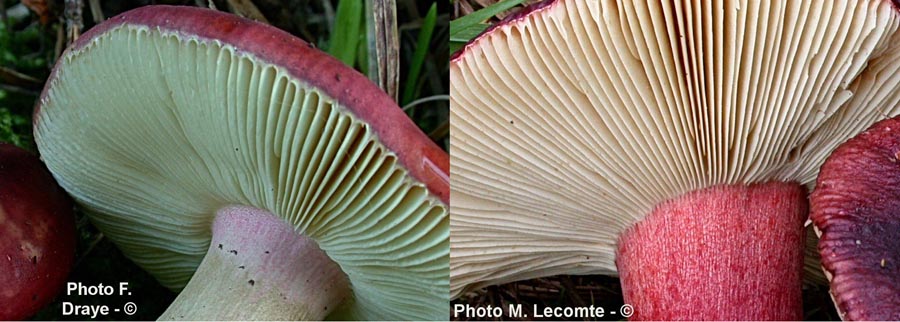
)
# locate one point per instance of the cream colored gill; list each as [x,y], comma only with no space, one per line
[151,132]
[573,122]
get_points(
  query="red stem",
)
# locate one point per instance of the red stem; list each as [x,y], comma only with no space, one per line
[722,253]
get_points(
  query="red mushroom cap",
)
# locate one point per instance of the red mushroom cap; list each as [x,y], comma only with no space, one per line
[424,160]
[37,234]
[856,209]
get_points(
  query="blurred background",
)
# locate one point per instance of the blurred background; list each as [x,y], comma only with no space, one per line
[402,45]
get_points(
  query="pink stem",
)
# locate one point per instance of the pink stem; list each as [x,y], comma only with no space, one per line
[258,267]
[722,253]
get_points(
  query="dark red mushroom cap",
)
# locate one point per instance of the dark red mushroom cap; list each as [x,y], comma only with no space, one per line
[37,234]
[856,209]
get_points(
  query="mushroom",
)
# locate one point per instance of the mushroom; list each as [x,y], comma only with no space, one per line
[238,163]
[37,234]
[668,142]
[854,209]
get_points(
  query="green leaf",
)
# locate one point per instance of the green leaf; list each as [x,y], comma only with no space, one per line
[362,58]
[345,35]
[422,45]
[465,28]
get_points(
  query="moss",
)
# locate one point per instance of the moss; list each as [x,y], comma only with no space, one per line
[15,128]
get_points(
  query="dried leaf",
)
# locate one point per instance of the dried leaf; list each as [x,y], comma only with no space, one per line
[384,45]
[42,9]
[246,9]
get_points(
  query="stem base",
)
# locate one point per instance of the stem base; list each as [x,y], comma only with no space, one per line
[722,253]
[258,268]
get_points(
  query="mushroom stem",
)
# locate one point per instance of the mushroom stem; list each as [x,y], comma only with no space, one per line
[258,267]
[722,253]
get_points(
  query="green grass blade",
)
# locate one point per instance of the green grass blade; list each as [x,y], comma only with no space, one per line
[362,58]
[463,36]
[346,32]
[466,34]
[465,28]
[422,45]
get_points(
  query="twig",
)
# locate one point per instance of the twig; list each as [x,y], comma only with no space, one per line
[96,11]
[572,291]
[19,90]
[14,78]
[74,20]
[384,45]
[209,4]
[462,8]
[440,132]
[426,100]
[246,8]
[60,43]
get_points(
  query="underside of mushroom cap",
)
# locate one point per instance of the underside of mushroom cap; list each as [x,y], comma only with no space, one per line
[161,116]
[856,211]
[570,122]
